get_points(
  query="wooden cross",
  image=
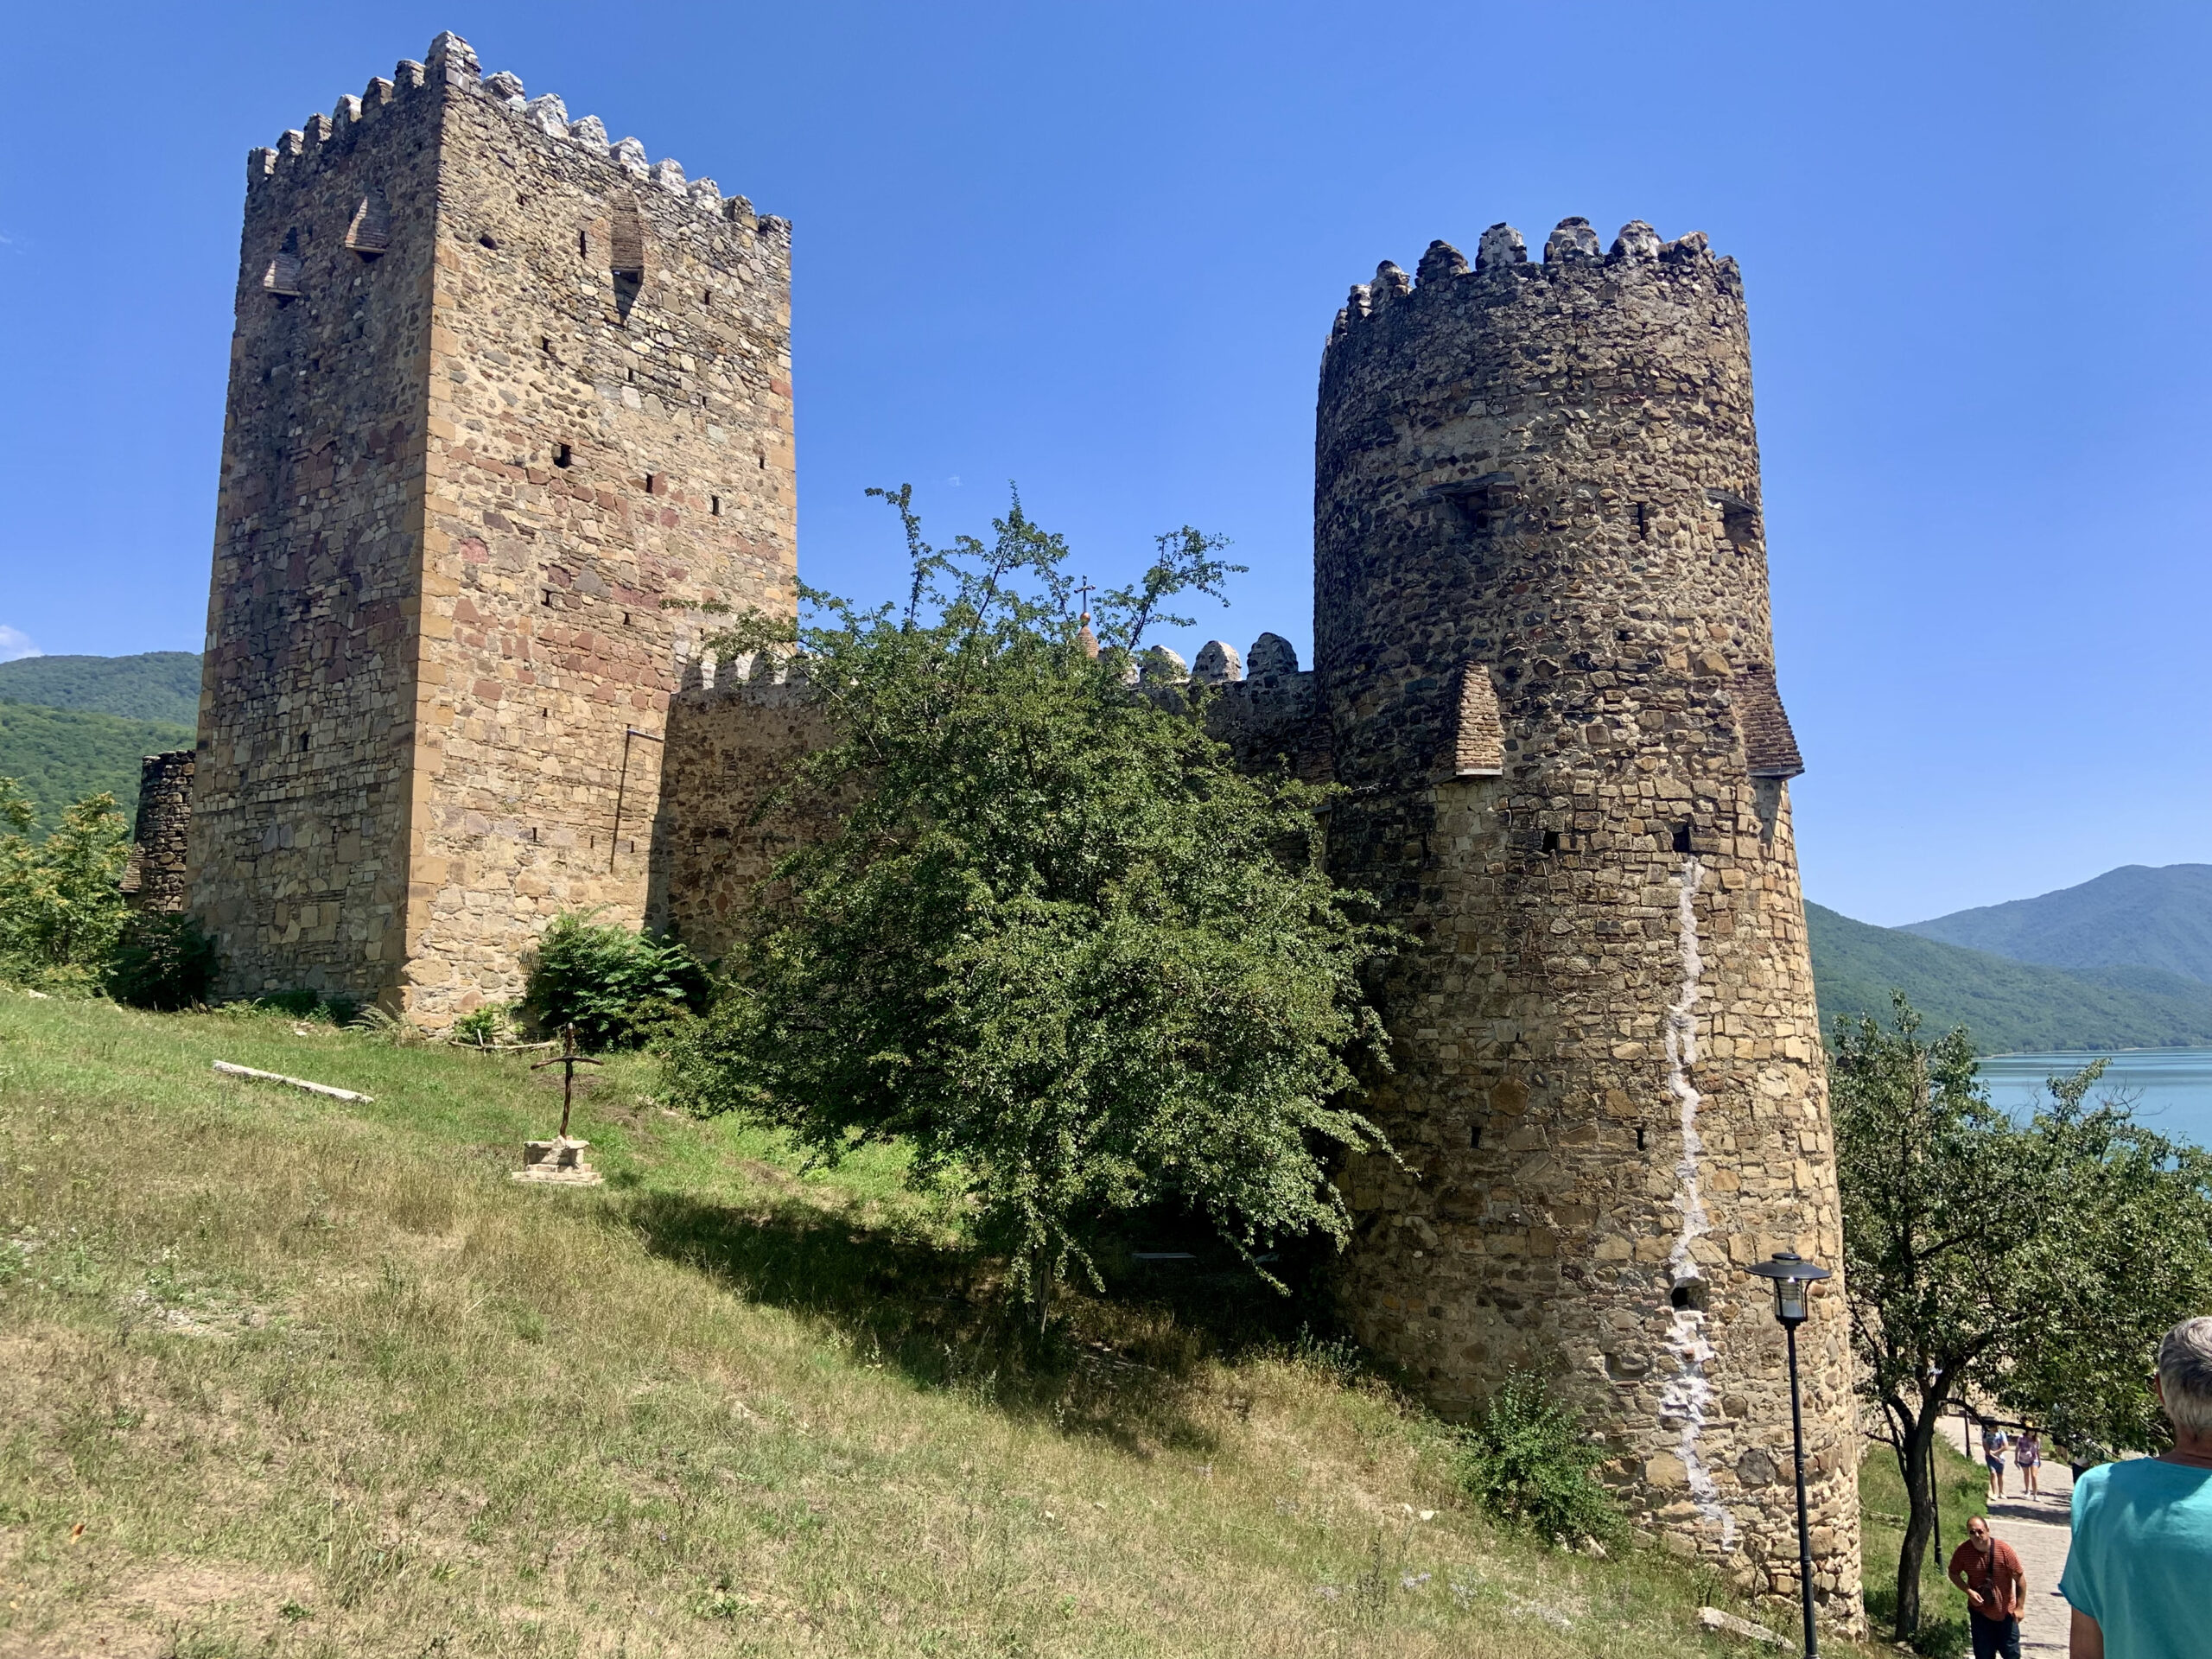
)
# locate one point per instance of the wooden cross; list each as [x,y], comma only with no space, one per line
[569,1059]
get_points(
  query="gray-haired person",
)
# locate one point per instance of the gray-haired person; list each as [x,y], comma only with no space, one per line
[2141,1559]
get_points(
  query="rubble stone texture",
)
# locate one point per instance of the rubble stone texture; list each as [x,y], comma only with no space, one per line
[154,878]
[507,408]
[1541,478]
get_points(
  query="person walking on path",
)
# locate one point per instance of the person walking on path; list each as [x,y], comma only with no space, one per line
[1989,1571]
[1993,1444]
[2142,1546]
[2027,1458]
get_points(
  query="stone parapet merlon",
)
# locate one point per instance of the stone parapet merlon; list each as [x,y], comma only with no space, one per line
[451,65]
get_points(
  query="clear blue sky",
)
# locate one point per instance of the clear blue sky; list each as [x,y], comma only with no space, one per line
[1097,249]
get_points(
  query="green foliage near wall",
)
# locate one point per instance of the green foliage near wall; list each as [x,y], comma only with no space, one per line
[60,755]
[2007,1007]
[157,685]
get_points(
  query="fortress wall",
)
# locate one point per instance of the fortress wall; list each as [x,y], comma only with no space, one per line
[159,835]
[610,450]
[719,828]
[510,416]
[300,794]
[1542,628]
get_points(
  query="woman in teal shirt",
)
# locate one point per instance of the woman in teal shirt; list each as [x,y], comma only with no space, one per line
[2138,1571]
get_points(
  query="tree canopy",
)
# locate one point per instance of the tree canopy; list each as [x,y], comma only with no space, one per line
[2036,1265]
[1053,940]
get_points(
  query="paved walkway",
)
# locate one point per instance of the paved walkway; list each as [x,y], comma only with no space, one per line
[2037,1528]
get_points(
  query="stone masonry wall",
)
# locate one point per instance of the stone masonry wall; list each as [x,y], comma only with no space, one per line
[609,450]
[509,413]
[1609,1089]
[154,878]
[301,796]
[733,738]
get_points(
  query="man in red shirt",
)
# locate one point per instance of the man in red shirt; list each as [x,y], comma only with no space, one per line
[1988,1570]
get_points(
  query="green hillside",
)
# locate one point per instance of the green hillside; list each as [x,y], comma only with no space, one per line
[2132,917]
[2009,1007]
[60,755]
[161,685]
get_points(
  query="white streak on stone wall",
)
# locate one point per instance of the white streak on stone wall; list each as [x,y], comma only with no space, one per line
[1689,1395]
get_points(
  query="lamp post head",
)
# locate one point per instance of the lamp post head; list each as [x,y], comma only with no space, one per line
[1792,1276]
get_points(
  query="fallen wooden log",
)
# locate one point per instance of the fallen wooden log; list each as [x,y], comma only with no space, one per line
[230,1070]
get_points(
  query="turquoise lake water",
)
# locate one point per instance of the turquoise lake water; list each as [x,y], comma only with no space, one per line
[2173,1085]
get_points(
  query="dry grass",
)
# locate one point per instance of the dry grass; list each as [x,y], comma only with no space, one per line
[281,1377]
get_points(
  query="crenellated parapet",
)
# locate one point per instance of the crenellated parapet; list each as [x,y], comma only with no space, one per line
[451,67]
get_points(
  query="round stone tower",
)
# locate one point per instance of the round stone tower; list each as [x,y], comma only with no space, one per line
[1543,649]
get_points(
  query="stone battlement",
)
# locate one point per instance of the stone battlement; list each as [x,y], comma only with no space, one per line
[451,63]
[1502,261]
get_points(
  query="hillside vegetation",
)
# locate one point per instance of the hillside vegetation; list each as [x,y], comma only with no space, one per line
[2132,917]
[283,1376]
[157,685]
[60,755]
[2008,1006]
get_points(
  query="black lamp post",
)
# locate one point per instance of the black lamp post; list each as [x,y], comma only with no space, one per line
[1792,1275]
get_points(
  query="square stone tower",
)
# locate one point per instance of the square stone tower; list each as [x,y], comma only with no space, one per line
[510,411]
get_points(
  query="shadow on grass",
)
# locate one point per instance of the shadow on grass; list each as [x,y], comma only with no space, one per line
[1119,1366]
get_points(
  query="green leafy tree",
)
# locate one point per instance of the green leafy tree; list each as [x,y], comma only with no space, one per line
[164,962]
[60,906]
[1051,938]
[2009,1260]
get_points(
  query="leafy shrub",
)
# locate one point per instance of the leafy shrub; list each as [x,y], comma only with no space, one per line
[482,1028]
[615,987]
[60,908]
[165,962]
[1528,1462]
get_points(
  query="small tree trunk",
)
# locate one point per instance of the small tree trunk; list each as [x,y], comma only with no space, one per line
[1919,1461]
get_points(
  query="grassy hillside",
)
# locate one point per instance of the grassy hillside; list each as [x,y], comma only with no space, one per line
[286,1376]
[158,685]
[62,755]
[2132,917]
[2010,1007]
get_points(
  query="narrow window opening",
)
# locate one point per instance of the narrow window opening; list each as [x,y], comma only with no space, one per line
[762,457]
[546,597]
[487,240]
[545,343]
[715,505]
[303,739]
[1639,1140]
[583,242]
[1551,841]
[652,481]
[626,619]
[1681,838]
[1689,1294]
[1643,521]
[1475,1137]
[630,374]
[561,455]
[706,296]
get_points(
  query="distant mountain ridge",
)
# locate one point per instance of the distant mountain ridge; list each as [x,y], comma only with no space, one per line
[2007,1007]
[158,685]
[2133,917]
